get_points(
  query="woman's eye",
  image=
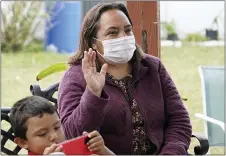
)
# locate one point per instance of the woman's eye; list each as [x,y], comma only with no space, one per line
[128,31]
[58,127]
[112,33]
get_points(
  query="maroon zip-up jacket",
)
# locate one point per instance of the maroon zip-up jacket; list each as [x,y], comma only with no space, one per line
[166,119]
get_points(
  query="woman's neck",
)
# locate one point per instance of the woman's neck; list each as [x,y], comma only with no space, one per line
[119,71]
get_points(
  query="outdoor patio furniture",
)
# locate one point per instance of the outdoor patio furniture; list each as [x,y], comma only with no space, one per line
[48,93]
[212,80]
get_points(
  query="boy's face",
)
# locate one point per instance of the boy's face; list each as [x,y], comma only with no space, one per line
[42,132]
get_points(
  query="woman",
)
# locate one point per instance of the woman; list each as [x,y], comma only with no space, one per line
[126,95]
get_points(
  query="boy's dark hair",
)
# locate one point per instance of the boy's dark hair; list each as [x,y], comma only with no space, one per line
[26,108]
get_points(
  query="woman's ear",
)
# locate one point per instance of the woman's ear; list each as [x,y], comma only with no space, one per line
[93,42]
[21,142]
[97,46]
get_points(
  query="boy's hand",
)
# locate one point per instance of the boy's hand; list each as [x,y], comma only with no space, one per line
[53,148]
[96,143]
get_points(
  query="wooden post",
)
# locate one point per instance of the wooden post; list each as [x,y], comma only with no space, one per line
[146,25]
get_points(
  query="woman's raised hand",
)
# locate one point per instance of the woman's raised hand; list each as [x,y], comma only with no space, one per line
[95,80]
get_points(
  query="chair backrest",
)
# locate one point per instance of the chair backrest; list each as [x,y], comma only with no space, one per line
[6,129]
[46,93]
[7,137]
[212,80]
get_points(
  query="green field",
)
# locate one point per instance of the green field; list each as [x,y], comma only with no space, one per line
[19,72]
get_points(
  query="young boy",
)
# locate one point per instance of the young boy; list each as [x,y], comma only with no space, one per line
[37,128]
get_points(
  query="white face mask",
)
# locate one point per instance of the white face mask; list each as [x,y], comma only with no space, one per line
[119,50]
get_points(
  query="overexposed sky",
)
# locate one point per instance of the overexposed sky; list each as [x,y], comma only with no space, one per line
[192,16]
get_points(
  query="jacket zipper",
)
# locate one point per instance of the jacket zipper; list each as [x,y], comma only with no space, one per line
[145,122]
[145,118]
[149,135]
[131,125]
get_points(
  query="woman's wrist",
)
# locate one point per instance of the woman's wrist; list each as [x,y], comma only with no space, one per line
[97,93]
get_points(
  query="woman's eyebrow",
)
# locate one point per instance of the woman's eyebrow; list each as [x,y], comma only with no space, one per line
[57,122]
[128,26]
[112,27]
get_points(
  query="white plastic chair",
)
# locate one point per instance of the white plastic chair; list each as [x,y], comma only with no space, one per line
[212,80]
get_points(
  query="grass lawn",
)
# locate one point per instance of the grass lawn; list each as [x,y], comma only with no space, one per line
[182,64]
[19,72]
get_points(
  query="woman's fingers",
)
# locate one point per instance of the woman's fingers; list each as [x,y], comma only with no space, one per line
[90,57]
[89,60]
[94,59]
[85,61]
[94,69]
[104,68]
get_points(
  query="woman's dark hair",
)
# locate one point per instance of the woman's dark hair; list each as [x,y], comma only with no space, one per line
[90,28]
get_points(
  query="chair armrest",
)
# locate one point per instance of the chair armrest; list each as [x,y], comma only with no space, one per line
[5,110]
[203,148]
[211,120]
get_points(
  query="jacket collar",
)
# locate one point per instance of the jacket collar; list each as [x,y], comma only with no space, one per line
[139,70]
